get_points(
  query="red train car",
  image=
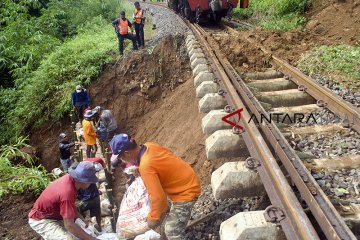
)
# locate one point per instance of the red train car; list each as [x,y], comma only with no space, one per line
[196,10]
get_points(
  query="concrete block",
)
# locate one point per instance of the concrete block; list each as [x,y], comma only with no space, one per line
[195,50]
[198,61]
[235,180]
[224,143]
[286,98]
[206,87]
[202,77]
[212,121]
[211,101]
[200,68]
[197,55]
[250,225]
[192,45]
[189,38]
[272,84]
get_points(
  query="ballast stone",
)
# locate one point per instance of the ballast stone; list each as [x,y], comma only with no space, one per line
[202,77]
[206,87]
[235,180]
[200,68]
[213,121]
[211,101]
[198,61]
[250,225]
[224,143]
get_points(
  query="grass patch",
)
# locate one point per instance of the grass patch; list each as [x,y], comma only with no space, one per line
[280,15]
[46,93]
[17,179]
[340,60]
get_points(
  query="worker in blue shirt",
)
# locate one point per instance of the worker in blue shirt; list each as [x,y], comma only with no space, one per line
[80,101]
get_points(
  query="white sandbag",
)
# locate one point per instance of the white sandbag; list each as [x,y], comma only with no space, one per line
[108,236]
[149,235]
[133,211]
[90,229]
[105,207]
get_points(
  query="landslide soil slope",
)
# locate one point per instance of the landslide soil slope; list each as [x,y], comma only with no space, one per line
[153,98]
[330,22]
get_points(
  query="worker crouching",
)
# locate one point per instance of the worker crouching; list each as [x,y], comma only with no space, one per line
[122,26]
[54,212]
[164,175]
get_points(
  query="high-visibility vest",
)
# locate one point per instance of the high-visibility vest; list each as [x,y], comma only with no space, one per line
[139,14]
[123,26]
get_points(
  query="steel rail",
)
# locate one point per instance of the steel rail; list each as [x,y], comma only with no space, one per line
[332,224]
[322,209]
[295,223]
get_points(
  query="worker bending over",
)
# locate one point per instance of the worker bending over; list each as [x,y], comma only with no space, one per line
[164,175]
[54,212]
[121,26]
[139,22]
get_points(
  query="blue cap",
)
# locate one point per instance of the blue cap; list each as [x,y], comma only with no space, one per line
[84,172]
[89,113]
[120,143]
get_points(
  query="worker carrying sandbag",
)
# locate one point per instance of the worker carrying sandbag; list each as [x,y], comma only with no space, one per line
[54,212]
[164,175]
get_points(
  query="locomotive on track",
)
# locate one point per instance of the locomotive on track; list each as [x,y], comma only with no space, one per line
[196,10]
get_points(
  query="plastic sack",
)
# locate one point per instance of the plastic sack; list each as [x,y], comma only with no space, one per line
[133,211]
[108,236]
[89,230]
[149,235]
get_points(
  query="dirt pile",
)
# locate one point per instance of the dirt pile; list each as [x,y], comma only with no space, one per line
[329,23]
[14,217]
[241,53]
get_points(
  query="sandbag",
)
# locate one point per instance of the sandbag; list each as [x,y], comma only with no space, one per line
[149,235]
[133,211]
[108,236]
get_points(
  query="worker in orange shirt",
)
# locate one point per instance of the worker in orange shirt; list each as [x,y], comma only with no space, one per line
[89,134]
[164,175]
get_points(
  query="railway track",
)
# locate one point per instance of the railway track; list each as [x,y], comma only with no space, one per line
[287,180]
[269,139]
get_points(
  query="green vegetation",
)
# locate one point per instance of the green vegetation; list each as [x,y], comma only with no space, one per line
[47,47]
[341,60]
[16,179]
[275,14]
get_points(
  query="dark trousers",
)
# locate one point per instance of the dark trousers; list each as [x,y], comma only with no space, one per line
[139,29]
[121,42]
[80,112]
[89,153]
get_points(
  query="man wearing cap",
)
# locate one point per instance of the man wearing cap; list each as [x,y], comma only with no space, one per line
[54,212]
[164,175]
[121,26]
[80,101]
[89,134]
[90,197]
[64,147]
[139,22]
